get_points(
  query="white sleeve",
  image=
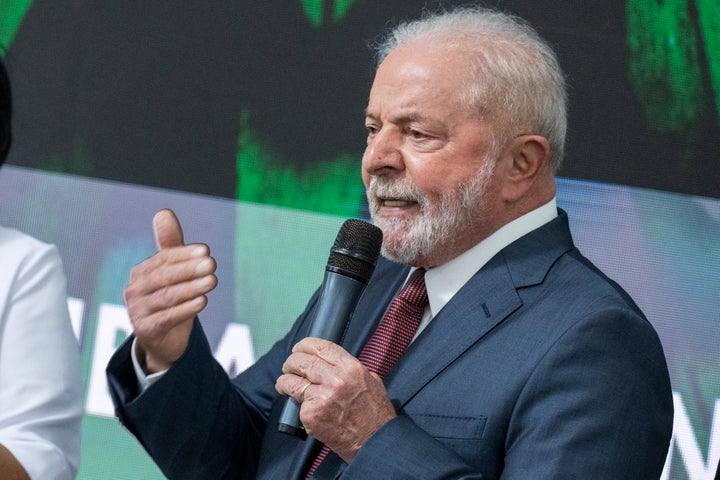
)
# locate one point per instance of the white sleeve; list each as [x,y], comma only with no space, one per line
[40,377]
[144,380]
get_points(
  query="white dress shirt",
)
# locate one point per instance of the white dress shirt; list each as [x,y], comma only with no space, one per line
[40,376]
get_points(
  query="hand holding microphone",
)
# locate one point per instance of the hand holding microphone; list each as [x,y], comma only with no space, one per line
[350,265]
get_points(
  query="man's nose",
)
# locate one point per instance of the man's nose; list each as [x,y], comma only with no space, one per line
[383,153]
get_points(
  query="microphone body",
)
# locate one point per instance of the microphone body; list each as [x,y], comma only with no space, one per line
[350,266]
[338,296]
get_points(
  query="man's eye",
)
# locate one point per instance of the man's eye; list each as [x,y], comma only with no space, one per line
[417,134]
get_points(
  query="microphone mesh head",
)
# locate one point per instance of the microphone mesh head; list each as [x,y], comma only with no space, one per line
[356,249]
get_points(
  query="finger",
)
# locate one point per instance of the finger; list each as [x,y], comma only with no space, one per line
[156,324]
[293,386]
[325,364]
[171,266]
[302,364]
[328,351]
[167,230]
[143,303]
[170,286]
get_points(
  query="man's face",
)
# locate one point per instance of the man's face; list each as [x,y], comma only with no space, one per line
[428,166]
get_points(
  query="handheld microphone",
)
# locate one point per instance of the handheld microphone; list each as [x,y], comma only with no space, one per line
[351,263]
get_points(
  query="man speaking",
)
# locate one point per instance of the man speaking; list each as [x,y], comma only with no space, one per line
[484,346]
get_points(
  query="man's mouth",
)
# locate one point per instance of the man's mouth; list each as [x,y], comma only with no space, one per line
[396,202]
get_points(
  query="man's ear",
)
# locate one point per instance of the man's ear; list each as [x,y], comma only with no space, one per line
[527,158]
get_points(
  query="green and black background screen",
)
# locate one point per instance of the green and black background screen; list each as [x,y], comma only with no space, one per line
[246,117]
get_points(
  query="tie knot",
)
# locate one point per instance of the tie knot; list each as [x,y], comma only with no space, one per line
[414,291]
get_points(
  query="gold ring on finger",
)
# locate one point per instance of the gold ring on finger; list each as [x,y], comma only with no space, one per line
[302,392]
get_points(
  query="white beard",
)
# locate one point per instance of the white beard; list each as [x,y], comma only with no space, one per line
[441,217]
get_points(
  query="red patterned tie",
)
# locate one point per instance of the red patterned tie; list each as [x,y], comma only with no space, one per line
[392,335]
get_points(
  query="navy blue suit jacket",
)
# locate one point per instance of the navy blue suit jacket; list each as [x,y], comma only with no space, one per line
[539,368]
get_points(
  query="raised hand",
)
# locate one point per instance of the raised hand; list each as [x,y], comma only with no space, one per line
[166,292]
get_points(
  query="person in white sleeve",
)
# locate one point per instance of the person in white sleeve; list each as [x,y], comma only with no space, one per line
[40,378]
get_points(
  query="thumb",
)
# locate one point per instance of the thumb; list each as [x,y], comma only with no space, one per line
[167,230]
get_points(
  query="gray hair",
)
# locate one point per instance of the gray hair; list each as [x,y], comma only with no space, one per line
[515,78]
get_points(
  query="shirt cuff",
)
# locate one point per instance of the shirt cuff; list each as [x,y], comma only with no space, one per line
[144,381]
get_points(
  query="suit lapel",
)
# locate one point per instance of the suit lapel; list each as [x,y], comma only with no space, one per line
[485,301]
[481,304]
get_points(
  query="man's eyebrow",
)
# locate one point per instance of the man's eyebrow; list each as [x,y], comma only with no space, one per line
[403,118]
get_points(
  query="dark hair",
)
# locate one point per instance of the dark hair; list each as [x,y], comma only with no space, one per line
[5,113]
